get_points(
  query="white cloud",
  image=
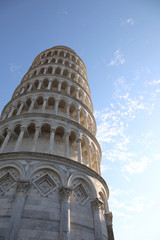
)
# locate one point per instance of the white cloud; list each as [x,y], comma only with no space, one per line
[119,143]
[104,168]
[130,21]
[154,82]
[118,59]
[133,204]
[16,69]
[137,166]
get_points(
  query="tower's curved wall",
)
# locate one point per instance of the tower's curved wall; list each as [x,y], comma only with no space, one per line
[50,183]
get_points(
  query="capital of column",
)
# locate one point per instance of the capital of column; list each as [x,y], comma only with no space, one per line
[79,140]
[109,218]
[96,203]
[53,129]
[65,193]
[9,131]
[89,147]
[22,186]
[23,128]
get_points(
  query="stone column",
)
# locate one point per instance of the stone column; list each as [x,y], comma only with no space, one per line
[96,163]
[9,132]
[4,116]
[96,205]
[44,105]
[109,225]
[59,86]
[68,88]
[19,140]
[56,106]
[67,144]
[39,85]
[32,105]
[17,211]
[77,94]
[67,111]
[89,155]
[30,87]
[51,141]
[64,230]
[49,85]
[11,112]
[20,108]
[22,91]
[85,120]
[79,150]
[35,139]
[78,115]
[83,100]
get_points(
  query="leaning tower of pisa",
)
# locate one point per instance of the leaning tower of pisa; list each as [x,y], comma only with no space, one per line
[50,181]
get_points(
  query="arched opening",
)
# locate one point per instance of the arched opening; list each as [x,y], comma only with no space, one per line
[36,84]
[85,155]
[49,70]
[28,103]
[60,61]
[82,118]
[73,91]
[53,60]
[54,85]
[65,73]
[34,73]
[45,83]
[48,54]
[50,106]
[73,153]
[39,103]
[73,58]
[93,156]
[64,87]
[28,138]
[79,81]
[59,142]
[78,62]
[73,76]
[61,54]
[58,71]
[44,138]
[46,61]
[55,53]
[42,71]
[67,63]
[67,55]
[73,66]
[80,96]
[62,108]
[73,113]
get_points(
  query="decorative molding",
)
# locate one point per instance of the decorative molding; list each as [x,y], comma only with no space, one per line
[45,184]
[22,186]
[65,193]
[81,193]
[6,182]
[96,203]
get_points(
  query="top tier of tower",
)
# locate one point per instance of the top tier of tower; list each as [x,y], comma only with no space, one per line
[51,110]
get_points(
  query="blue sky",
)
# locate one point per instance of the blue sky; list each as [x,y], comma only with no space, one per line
[119,41]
